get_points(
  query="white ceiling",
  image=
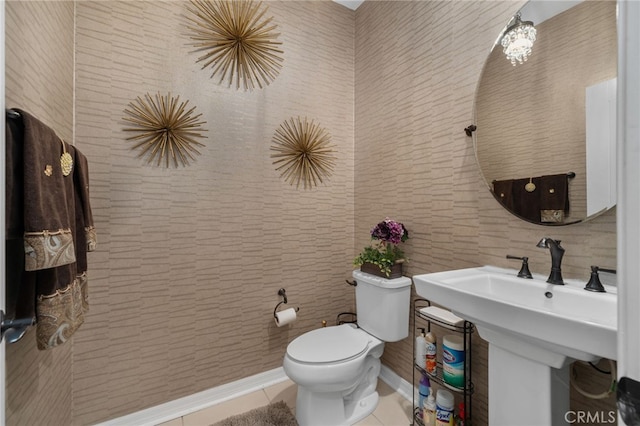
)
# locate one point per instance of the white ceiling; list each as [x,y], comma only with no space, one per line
[351,4]
[535,10]
[539,11]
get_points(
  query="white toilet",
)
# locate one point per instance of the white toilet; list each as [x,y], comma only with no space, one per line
[336,368]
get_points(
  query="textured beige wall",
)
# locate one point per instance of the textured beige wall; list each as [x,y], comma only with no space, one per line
[39,79]
[184,252]
[189,262]
[417,66]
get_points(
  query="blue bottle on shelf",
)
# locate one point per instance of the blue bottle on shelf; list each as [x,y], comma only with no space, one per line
[423,390]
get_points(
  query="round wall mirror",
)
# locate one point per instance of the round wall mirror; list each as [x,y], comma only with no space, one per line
[545,128]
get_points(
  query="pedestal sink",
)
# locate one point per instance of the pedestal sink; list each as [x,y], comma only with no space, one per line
[534,329]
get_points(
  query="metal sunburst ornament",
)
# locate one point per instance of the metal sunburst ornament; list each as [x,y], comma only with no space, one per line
[238,44]
[303,152]
[164,129]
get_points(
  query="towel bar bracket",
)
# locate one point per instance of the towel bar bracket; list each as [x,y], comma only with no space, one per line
[14,329]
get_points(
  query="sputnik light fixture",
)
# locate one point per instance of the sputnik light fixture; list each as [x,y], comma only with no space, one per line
[518,40]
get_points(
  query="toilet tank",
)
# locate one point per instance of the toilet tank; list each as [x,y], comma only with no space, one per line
[382,306]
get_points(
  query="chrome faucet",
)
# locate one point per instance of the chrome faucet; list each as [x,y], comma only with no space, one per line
[555,277]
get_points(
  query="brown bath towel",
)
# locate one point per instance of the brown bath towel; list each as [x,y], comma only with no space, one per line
[84,232]
[554,192]
[55,292]
[547,202]
[502,190]
[526,204]
[49,195]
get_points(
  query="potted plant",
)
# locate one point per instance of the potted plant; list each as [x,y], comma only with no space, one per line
[383,257]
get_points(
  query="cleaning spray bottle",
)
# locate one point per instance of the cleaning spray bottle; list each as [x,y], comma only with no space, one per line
[431,360]
[421,349]
[424,388]
[461,415]
[429,410]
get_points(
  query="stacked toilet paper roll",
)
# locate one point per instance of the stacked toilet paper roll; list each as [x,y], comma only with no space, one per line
[285,316]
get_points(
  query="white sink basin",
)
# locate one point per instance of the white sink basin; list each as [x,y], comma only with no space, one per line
[544,322]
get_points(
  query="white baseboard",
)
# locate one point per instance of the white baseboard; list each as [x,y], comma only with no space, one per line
[397,383]
[198,401]
[210,397]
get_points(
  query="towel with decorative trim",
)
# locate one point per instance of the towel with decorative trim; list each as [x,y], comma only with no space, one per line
[48,193]
[503,191]
[554,197]
[526,204]
[56,295]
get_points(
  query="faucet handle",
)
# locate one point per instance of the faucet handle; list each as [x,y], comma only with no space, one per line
[524,269]
[611,271]
[594,283]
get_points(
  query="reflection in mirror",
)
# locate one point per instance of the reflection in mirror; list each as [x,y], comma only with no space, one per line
[532,131]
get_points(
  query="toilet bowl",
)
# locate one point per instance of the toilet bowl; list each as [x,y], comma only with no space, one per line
[336,368]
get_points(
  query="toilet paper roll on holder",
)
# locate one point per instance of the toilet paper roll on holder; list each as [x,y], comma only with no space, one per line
[282,292]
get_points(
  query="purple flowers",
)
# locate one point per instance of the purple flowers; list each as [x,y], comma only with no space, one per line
[384,252]
[390,231]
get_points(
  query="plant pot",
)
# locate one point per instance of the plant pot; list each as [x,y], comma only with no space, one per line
[370,268]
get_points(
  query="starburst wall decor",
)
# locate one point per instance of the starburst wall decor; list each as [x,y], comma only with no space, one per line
[238,44]
[303,152]
[164,129]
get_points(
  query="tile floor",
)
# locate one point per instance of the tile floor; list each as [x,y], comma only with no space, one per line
[392,410]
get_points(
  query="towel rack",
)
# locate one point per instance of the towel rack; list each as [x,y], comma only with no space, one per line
[570,175]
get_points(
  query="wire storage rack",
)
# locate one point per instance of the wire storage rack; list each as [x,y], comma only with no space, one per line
[466,329]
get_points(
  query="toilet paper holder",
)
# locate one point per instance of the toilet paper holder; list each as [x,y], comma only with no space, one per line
[282,292]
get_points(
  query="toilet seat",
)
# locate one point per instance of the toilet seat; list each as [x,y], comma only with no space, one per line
[328,344]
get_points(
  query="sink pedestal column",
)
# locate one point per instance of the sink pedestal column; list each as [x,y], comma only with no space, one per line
[525,392]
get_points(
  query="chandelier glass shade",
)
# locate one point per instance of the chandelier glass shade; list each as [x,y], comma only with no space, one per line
[518,40]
